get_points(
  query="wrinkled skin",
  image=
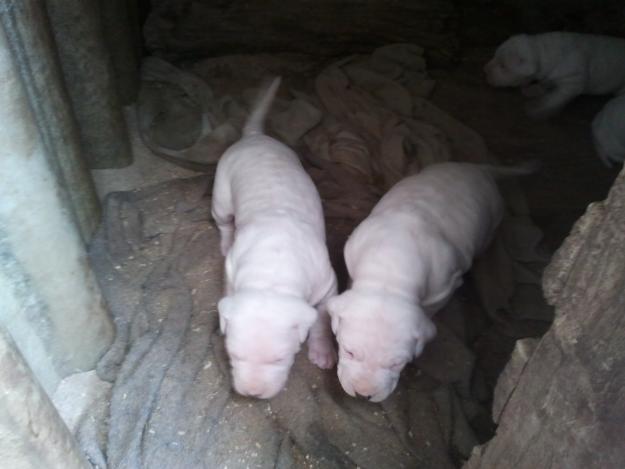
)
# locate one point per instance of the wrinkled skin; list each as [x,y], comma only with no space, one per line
[263,334]
[378,335]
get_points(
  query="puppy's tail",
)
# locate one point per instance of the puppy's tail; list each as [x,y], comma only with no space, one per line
[256,120]
[522,169]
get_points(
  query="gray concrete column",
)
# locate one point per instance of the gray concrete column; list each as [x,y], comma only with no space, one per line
[32,435]
[49,298]
[32,46]
[90,78]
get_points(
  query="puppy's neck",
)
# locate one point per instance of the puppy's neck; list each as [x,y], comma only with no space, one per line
[269,289]
[373,287]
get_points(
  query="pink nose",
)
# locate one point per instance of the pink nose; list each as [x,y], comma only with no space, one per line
[364,389]
[250,388]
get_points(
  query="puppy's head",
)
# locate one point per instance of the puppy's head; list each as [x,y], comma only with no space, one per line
[515,63]
[378,335]
[263,332]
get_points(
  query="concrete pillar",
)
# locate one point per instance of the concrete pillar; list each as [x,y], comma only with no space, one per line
[121,31]
[90,78]
[32,435]
[50,302]
[32,46]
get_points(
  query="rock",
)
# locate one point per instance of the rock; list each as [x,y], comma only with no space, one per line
[510,376]
[567,407]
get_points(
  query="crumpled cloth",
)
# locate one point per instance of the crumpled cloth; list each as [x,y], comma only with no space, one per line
[181,119]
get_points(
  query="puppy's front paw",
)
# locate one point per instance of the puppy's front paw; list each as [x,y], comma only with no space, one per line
[322,353]
[225,245]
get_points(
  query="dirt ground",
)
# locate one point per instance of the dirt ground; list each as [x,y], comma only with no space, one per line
[571,175]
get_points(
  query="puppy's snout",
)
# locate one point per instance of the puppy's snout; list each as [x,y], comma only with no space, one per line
[250,388]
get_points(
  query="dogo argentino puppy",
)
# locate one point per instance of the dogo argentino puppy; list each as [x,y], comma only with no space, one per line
[555,67]
[405,260]
[277,268]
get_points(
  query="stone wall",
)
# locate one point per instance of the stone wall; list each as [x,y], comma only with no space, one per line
[179,29]
[488,22]
[188,29]
[560,401]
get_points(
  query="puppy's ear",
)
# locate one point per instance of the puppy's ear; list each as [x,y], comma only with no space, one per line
[522,58]
[425,330]
[224,307]
[334,307]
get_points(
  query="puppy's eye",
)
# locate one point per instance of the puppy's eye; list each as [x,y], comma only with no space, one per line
[397,366]
[277,361]
[348,353]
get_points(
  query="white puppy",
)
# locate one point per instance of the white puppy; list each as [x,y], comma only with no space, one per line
[405,261]
[608,130]
[277,266]
[556,67]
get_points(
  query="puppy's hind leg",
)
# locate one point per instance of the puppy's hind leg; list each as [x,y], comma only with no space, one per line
[226,233]
[321,349]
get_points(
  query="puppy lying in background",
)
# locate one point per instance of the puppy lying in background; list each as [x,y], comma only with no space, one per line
[277,266]
[554,68]
[405,260]
[608,131]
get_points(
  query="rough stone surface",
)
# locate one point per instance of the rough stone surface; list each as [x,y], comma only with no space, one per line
[509,378]
[32,46]
[89,74]
[183,29]
[50,301]
[32,435]
[568,407]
